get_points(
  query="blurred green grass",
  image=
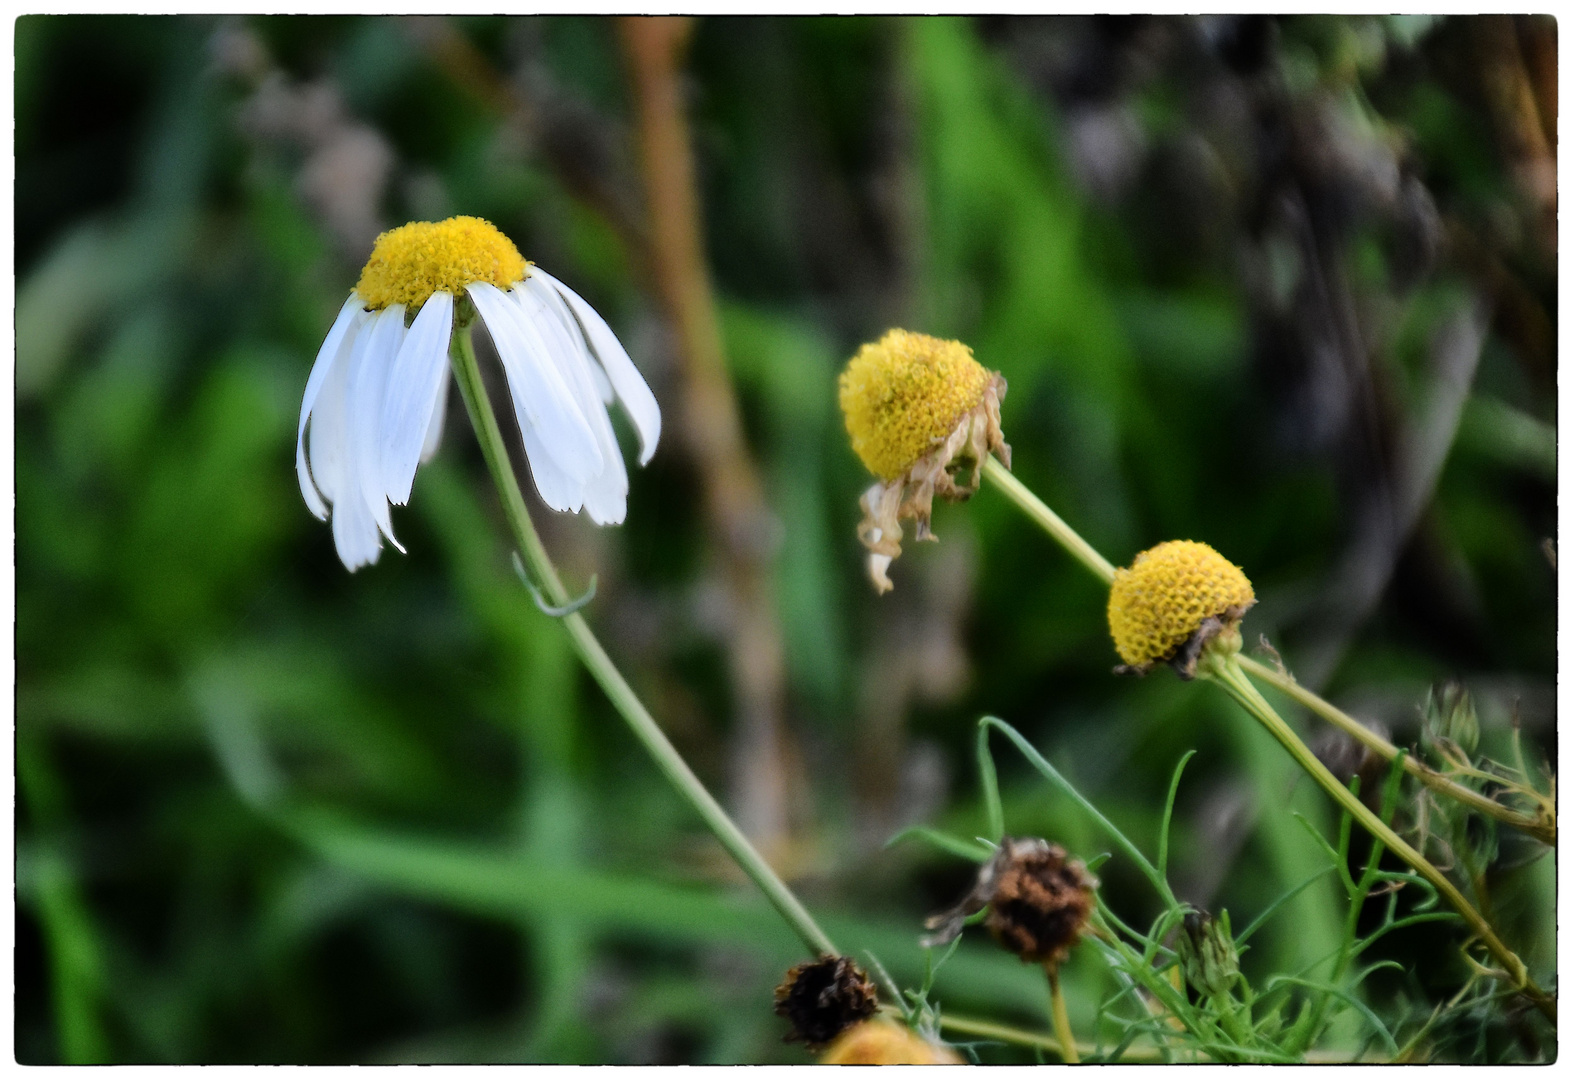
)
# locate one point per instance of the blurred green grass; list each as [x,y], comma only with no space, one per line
[270,811]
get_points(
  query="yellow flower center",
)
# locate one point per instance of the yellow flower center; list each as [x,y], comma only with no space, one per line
[880,1042]
[1166,593]
[903,394]
[413,261]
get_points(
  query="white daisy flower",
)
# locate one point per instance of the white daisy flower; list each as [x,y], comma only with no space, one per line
[377,393]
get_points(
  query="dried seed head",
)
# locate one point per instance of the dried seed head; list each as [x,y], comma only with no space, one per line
[919,412]
[1038,901]
[824,998]
[1171,601]
[879,1042]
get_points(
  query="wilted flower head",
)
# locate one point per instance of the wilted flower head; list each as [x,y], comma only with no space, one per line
[1038,901]
[879,1042]
[919,411]
[1171,601]
[378,390]
[824,998]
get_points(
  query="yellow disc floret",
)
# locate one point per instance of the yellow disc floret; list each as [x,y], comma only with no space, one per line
[903,394]
[1157,604]
[880,1042]
[413,261]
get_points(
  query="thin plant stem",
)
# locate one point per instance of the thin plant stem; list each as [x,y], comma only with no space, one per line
[1223,668]
[1230,675]
[467,374]
[1052,523]
[1061,1016]
[1537,827]
[987,1029]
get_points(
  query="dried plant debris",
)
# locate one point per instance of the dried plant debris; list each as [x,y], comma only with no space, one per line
[1038,899]
[823,998]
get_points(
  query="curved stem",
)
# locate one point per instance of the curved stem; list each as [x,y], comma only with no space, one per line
[462,354]
[1061,1017]
[1230,675]
[1536,827]
[1226,671]
[1052,523]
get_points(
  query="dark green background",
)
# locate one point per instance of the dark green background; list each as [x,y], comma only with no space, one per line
[269,811]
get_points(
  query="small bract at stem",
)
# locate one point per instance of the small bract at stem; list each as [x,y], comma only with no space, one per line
[645,729]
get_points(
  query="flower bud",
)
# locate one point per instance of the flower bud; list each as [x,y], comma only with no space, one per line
[1449,713]
[1207,954]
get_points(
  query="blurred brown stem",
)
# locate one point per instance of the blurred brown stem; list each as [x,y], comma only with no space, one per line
[744,529]
[558,137]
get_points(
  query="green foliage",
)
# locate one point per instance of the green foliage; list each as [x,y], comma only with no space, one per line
[268,811]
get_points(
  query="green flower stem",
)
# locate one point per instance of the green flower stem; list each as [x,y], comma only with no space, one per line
[1540,828]
[987,1029]
[1061,1017]
[462,354]
[1223,668]
[1232,677]
[1051,522]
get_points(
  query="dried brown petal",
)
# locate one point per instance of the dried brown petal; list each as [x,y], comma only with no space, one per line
[941,471]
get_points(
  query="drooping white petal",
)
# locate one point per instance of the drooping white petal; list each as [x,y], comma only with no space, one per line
[605,494]
[434,429]
[328,437]
[415,382]
[625,378]
[540,397]
[602,384]
[354,531]
[373,356]
[557,489]
[348,316]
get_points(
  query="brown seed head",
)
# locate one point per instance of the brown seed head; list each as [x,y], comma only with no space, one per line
[823,998]
[1041,902]
[1038,901]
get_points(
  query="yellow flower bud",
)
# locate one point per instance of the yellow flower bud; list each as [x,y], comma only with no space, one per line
[1171,600]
